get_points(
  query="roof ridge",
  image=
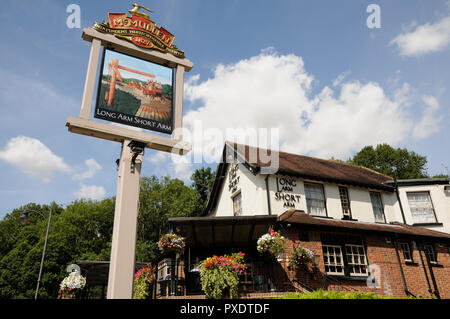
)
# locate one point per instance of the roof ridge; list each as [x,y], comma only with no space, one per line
[317,158]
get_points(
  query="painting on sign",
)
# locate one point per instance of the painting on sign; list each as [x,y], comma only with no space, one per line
[135,92]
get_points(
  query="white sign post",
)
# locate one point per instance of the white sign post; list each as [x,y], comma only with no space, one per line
[122,261]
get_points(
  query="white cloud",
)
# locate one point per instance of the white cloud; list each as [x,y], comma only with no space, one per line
[33,158]
[429,124]
[90,192]
[92,168]
[274,91]
[424,38]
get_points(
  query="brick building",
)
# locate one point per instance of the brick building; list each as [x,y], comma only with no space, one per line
[348,216]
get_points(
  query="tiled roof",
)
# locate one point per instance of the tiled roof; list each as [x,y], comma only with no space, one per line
[297,217]
[316,168]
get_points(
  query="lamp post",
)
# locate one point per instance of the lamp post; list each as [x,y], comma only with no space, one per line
[24,219]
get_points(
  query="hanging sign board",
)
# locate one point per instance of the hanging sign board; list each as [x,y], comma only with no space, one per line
[140,83]
[135,92]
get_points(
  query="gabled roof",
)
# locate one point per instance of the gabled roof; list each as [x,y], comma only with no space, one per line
[297,165]
[316,168]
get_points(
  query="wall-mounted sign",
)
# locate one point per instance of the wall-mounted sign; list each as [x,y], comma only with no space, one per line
[233,178]
[135,92]
[285,188]
[140,30]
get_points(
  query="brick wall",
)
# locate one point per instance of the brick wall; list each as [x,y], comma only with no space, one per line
[381,253]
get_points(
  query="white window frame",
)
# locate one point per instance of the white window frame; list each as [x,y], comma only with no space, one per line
[356,260]
[414,208]
[233,199]
[430,253]
[327,262]
[343,200]
[381,207]
[310,199]
[406,251]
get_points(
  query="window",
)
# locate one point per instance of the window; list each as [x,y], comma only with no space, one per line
[315,199]
[377,206]
[332,256]
[345,202]
[421,207]
[430,253]
[356,260]
[406,249]
[344,255]
[237,205]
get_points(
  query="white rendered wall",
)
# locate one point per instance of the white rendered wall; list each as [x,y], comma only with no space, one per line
[440,200]
[254,197]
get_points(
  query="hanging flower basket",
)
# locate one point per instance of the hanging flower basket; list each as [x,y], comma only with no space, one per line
[219,275]
[301,256]
[171,242]
[143,281]
[271,243]
[72,285]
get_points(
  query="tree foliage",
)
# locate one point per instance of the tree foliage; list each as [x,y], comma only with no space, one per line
[202,182]
[386,159]
[83,231]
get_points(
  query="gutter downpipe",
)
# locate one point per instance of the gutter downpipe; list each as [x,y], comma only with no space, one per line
[425,271]
[433,279]
[268,195]
[398,197]
[405,287]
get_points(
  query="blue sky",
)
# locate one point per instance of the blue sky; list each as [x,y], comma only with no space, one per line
[312,69]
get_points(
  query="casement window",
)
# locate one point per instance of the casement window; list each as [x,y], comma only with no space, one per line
[332,257]
[356,260]
[237,204]
[421,207]
[377,206]
[315,199]
[430,253]
[406,250]
[344,255]
[345,202]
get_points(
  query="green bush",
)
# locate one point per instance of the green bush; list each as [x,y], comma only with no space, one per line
[328,294]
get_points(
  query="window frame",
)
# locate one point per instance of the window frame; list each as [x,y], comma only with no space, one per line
[327,263]
[349,215]
[382,206]
[323,198]
[410,251]
[431,204]
[233,200]
[359,264]
[427,253]
[343,241]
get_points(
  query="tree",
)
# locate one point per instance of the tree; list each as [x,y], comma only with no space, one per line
[161,198]
[203,180]
[385,159]
[81,231]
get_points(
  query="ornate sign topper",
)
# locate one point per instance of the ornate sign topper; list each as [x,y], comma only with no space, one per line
[140,30]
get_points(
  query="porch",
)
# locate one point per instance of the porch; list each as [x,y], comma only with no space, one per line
[179,276]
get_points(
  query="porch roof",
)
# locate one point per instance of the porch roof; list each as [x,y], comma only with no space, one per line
[299,217]
[222,231]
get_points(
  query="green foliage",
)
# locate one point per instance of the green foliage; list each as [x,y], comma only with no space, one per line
[143,279]
[160,199]
[328,294]
[300,255]
[202,182]
[83,231]
[167,91]
[385,159]
[123,102]
[220,275]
